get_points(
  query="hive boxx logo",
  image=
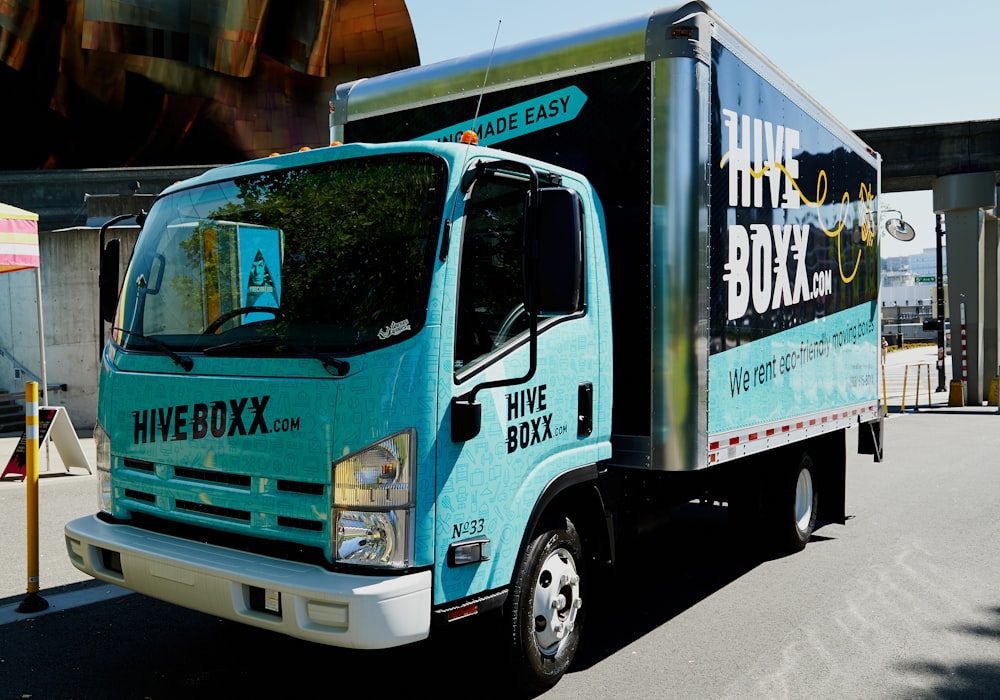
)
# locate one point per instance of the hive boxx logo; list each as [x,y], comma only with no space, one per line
[220,418]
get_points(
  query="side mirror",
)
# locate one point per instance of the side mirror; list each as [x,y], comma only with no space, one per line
[108,281]
[466,419]
[559,238]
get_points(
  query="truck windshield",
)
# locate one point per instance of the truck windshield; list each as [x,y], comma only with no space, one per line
[334,257]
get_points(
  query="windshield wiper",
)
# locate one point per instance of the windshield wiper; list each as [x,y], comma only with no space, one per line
[342,367]
[181,360]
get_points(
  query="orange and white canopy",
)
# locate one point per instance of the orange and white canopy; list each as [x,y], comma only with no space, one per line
[18,239]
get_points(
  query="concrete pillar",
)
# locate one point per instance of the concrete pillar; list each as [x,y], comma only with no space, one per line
[991,299]
[963,199]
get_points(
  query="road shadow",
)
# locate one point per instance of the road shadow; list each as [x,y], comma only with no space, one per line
[138,647]
[968,411]
[971,680]
[672,568]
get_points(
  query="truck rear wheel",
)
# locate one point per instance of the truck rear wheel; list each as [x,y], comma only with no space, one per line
[795,509]
[544,610]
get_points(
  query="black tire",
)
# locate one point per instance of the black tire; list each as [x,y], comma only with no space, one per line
[794,511]
[544,609]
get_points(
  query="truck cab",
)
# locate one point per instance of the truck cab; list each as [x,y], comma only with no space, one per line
[342,385]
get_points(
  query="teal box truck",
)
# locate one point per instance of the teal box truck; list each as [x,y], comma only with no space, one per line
[357,392]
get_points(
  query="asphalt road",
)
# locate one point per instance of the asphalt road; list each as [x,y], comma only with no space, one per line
[901,602]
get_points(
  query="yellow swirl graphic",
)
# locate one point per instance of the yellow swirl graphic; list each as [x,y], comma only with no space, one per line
[865,197]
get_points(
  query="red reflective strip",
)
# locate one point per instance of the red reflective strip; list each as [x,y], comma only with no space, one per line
[464,611]
[770,432]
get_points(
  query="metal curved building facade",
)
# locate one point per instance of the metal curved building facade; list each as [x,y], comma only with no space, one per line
[115,83]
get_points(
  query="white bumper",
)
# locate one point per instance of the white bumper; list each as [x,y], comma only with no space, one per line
[343,610]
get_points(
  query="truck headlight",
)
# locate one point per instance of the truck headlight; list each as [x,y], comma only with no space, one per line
[103,445]
[373,501]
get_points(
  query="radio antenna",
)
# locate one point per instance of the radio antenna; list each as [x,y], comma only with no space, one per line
[486,77]
[469,138]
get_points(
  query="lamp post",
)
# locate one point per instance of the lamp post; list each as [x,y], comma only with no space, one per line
[899,327]
[939,229]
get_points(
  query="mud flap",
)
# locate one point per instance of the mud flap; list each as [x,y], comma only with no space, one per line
[831,456]
[870,439]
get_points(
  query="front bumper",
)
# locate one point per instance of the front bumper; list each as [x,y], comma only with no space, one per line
[343,610]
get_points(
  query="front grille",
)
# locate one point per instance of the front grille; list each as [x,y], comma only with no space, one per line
[140,496]
[238,480]
[292,514]
[218,511]
[300,523]
[245,543]
[138,464]
[300,487]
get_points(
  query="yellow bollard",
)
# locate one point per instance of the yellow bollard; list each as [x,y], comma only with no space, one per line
[32,602]
[885,399]
[991,399]
[916,396]
[902,401]
[956,395]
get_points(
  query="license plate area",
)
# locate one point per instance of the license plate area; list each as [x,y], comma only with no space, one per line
[265,600]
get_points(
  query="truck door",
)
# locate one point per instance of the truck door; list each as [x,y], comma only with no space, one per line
[489,483]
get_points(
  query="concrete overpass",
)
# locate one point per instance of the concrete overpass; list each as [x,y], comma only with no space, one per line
[914,156]
[960,163]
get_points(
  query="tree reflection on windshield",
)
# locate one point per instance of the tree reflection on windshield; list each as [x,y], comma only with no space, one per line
[342,251]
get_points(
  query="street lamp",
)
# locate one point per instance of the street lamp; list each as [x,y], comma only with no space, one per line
[901,231]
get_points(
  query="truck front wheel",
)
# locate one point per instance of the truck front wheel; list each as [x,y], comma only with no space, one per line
[544,610]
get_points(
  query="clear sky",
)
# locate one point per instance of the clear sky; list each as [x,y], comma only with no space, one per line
[872,63]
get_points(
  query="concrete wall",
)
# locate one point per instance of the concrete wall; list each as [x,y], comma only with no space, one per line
[66,198]
[71,205]
[69,277]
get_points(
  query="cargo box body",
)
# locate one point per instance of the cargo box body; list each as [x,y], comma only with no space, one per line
[744,266]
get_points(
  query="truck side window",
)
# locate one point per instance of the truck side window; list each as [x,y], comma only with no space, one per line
[491,283]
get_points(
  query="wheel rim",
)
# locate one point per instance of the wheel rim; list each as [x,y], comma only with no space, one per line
[803,500]
[556,601]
